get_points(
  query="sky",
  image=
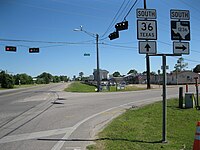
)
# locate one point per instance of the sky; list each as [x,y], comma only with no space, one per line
[50,24]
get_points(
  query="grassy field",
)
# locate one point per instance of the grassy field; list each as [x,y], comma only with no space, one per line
[79,87]
[141,129]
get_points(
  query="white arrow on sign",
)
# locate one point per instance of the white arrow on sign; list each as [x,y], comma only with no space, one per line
[147,47]
[181,47]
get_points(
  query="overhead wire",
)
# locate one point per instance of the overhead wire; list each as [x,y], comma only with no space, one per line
[118,15]
[113,20]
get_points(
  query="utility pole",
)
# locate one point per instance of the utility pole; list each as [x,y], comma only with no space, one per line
[147,61]
[96,36]
[98,73]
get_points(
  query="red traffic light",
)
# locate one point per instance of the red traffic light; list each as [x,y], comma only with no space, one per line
[34,50]
[11,48]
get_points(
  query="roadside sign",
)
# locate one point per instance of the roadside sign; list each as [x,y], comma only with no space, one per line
[181,47]
[86,54]
[146,13]
[147,47]
[180,30]
[146,30]
[180,14]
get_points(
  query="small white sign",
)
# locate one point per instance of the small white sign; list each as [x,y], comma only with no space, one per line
[146,30]
[146,13]
[181,48]
[180,14]
[147,47]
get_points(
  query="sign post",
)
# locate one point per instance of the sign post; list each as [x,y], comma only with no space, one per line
[180,30]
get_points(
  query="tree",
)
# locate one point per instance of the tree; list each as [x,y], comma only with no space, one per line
[6,80]
[22,79]
[64,78]
[116,74]
[81,75]
[180,65]
[197,69]
[46,78]
[56,79]
[133,71]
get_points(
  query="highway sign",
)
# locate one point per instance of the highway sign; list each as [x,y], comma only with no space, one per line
[146,13]
[180,30]
[147,47]
[181,47]
[146,30]
[180,14]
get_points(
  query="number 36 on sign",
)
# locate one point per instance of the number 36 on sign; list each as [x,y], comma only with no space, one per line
[146,30]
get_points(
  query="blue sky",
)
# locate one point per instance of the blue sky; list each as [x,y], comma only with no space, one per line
[49,24]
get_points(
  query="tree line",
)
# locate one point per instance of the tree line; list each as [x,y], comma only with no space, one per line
[8,81]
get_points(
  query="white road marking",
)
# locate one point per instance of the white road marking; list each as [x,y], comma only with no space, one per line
[34,135]
[73,148]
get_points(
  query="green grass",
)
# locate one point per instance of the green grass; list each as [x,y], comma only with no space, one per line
[80,87]
[141,129]
[127,88]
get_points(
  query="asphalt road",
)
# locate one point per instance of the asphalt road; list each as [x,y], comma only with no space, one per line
[47,118]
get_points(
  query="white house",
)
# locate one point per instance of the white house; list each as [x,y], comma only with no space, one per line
[183,77]
[102,73]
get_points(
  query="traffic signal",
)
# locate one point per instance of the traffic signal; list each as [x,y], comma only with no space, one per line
[34,50]
[122,26]
[11,48]
[114,35]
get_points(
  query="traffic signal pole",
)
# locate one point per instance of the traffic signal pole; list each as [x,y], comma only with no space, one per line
[147,61]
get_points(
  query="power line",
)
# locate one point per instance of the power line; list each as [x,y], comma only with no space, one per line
[113,21]
[130,9]
[46,42]
[120,46]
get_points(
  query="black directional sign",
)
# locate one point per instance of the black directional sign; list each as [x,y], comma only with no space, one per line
[180,30]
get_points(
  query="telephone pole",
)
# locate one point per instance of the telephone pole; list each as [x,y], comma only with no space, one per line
[147,61]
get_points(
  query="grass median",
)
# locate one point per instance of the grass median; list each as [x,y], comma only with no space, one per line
[80,87]
[141,129]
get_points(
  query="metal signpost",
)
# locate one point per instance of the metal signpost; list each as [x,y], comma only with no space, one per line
[147,30]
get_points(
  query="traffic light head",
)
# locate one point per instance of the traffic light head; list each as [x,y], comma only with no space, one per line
[34,50]
[114,35]
[11,48]
[122,26]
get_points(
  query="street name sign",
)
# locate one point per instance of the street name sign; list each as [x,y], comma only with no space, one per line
[181,48]
[146,13]
[147,47]
[146,30]
[180,14]
[180,30]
